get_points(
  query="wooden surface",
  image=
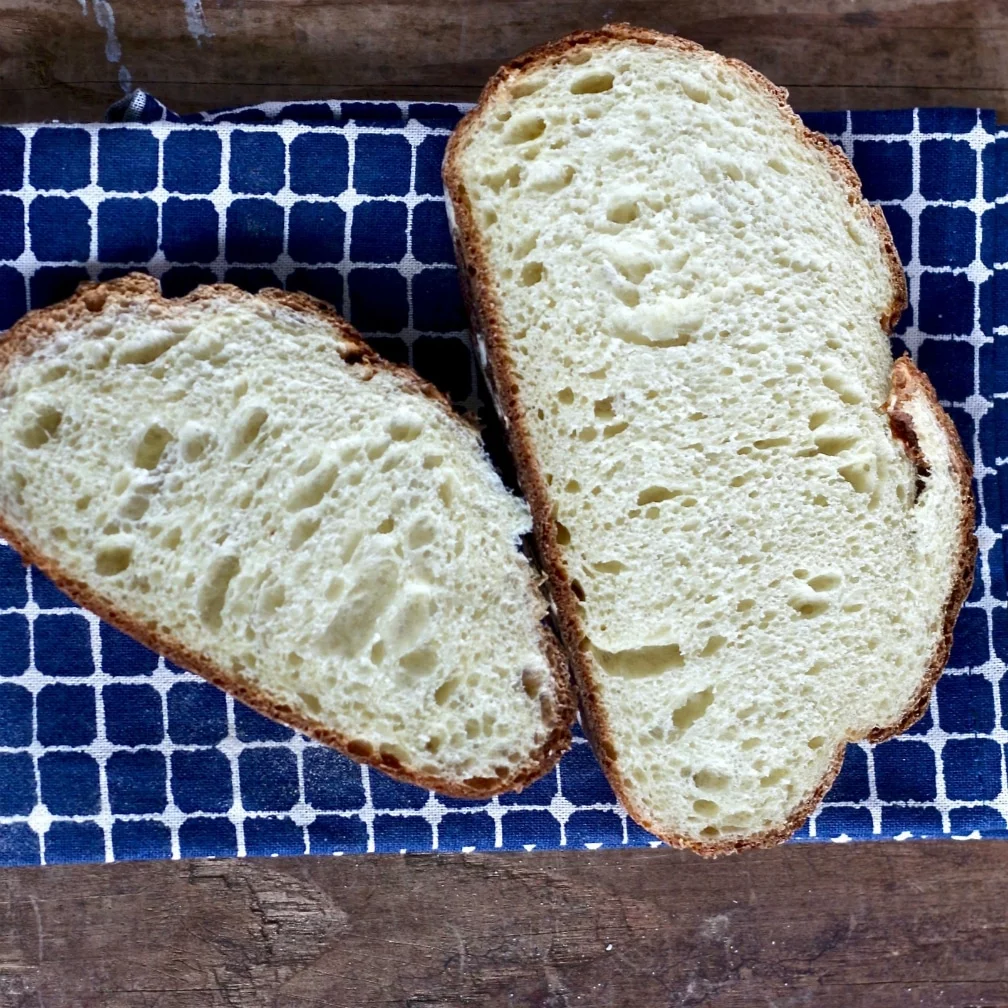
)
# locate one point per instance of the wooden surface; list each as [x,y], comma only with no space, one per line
[869,926]
[58,61]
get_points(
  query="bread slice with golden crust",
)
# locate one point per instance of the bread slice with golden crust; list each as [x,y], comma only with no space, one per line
[758,529]
[240,483]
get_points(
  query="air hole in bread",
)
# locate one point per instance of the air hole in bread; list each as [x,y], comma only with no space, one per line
[562,534]
[623,211]
[303,530]
[771,442]
[551,179]
[446,689]
[612,430]
[509,176]
[566,395]
[713,645]
[532,682]
[639,663]
[194,442]
[135,506]
[54,373]
[524,245]
[172,538]
[609,567]
[352,626]
[310,489]
[20,482]
[774,777]
[421,532]
[694,708]
[629,295]
[578,590]
[405,426]
[657,494]
[377,447]
[527,86]
[212,593]
[531,273]
[603,408]
[708,809]
[708,780]
[309,462]
[114,556]
[421,662]
[592,83]
[377,653]
[859,475]
[146,348]
[41,427]
[843,388]
[311,702]
[524,129]
[246,430]
[824,582]
[151,447]
[696,92]
[835,444]
[808,608]
[273,597]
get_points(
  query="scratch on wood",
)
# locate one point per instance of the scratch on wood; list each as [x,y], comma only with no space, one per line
[105,17]
[461,950]
[195,20]
[38,928]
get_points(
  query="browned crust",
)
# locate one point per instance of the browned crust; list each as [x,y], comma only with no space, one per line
[35,329]
[906,381]
[488,320]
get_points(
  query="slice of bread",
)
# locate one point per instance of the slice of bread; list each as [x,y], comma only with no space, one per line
[240,483]
[758,531]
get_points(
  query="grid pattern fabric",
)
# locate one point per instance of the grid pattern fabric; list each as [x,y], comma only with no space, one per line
[108,752]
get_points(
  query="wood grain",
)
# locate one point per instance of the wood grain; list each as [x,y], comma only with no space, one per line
[861,926]
[57,61]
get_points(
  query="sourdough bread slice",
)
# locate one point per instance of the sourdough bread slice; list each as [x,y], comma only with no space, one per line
[758,530]
[240,483]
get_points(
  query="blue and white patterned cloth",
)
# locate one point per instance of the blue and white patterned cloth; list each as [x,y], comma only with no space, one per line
[107,752]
